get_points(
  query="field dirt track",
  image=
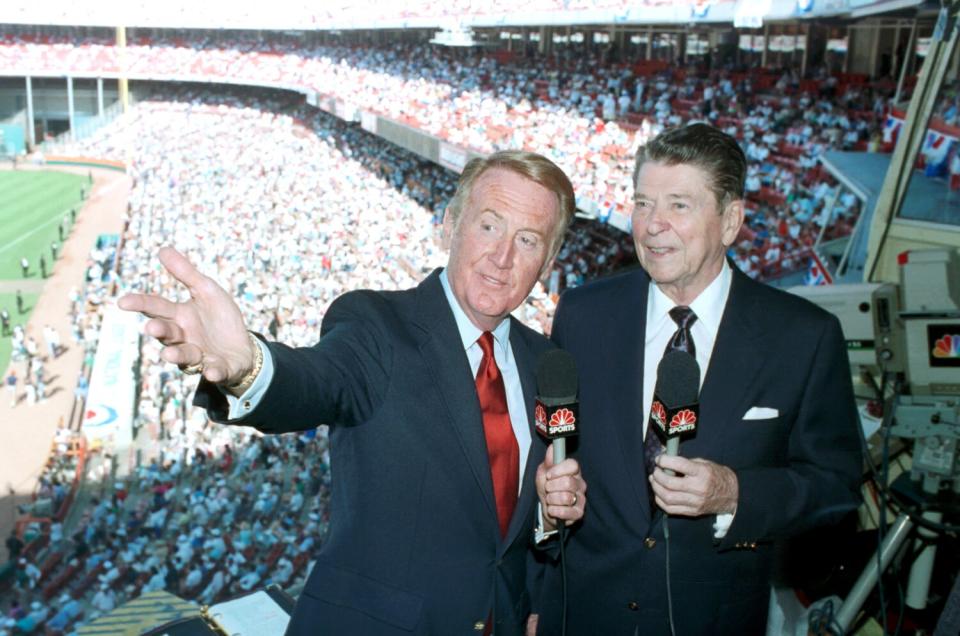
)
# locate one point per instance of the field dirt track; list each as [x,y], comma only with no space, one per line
[27,431]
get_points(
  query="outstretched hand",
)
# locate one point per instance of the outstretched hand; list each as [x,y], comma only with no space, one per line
[207,330]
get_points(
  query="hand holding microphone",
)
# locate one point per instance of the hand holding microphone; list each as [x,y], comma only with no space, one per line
[700,487]
[560,486]
[681,486]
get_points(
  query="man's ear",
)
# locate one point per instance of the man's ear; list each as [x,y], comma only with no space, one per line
[732,220]
[449,225]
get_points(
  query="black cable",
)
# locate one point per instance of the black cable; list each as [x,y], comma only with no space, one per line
[882,526]
[823,621]
[562,536]
[666,547]
[896,631]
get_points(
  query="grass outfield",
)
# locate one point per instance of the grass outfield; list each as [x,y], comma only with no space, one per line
[32,204]
[9,301]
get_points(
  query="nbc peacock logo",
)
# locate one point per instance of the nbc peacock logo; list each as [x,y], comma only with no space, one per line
[682,421]
[540,414]
[562,421]
[563,417]
[659,414]
[947,346]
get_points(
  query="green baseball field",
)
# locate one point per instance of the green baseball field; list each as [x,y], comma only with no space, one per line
[33,206]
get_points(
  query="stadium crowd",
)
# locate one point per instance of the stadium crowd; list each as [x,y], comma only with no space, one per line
[576,106]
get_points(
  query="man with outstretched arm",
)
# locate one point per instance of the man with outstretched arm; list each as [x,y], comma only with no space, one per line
[429,396]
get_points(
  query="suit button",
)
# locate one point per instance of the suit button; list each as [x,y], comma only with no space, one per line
[649,542]
[633,606]
[478,626]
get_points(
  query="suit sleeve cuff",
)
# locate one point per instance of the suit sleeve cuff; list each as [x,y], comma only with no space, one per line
[721,525]
[245,404]
[539,534]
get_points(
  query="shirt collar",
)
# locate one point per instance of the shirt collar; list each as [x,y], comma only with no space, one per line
[708,306]
[468,331]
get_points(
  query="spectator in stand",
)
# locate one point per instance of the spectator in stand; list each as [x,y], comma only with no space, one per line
[14,546]
[69,609]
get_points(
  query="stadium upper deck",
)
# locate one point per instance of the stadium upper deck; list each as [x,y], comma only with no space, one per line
[365,14]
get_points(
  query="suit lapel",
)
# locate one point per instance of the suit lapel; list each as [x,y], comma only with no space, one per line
[447,361]
[737,357]
[528,382]
[624,352]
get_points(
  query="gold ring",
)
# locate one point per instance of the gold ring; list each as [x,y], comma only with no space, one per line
[576,498]
[193,369]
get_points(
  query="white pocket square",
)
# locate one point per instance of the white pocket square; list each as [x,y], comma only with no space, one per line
[761,413]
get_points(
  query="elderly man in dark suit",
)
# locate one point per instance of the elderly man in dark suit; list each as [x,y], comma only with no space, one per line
[429,394]
[776,450]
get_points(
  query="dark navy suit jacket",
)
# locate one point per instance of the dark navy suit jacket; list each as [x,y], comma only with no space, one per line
[796,470]
[414,546]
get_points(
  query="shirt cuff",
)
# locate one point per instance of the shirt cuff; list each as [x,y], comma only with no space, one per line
[246,403]
[539,534]
[721,525]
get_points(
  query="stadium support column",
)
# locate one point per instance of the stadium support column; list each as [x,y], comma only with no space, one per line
[895,56]
[71,114]
[955,63]
[122,87]
[649,42]
[546,41]
[99,97]
[846,55]
[766,45]
[31,127]
[806,50]
[874,51]
[905,64]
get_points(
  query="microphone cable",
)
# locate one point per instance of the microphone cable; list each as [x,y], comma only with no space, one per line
[666,548]
[562,536]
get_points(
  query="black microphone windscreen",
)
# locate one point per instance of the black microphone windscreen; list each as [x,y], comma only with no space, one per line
[678,378]
[557,375]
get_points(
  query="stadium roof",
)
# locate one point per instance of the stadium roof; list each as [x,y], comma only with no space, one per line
[309,15]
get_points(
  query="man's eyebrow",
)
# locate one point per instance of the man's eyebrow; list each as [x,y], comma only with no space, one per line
[672,195]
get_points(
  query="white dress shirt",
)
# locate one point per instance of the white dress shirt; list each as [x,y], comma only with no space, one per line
[660,327]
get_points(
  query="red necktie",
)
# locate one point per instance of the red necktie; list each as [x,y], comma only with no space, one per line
[502,448]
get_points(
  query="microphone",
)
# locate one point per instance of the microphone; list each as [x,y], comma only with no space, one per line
[556,410]
[676,399]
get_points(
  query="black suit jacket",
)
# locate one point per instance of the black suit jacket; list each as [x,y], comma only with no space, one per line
[795,471]
[414,546]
